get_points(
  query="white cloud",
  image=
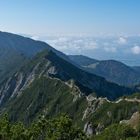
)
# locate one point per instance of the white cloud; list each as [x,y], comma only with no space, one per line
[117,47]
[62,39]
[66,44]
[35,37]
[135,50]
[91,46]
[122,40]
[78,41]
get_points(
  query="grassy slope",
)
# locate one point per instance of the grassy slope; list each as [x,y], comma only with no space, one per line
[51,96]
[45,96]
[110,113]
[11,64]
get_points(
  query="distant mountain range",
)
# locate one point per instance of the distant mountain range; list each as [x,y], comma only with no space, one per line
[112,70]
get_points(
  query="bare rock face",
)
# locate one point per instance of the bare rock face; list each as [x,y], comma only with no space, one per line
[75,89]
[99,128]
[52,70]
[133,121]
[16,84]
[93,104]
[89,129]
[109,114]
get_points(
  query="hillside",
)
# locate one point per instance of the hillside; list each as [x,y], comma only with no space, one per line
[112,70]
[51,83]
[16,50]
[48,84]
[82,60]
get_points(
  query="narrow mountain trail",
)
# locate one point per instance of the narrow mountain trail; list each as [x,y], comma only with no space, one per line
[90,98]
[94,104]
[126,99]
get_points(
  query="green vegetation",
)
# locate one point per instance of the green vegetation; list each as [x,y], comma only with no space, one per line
[9,66]
[61,128]
[110,113]
[112,70]
[135,95]
[118,132]
[42,89]
[42,97]
[58,128]
[15,51]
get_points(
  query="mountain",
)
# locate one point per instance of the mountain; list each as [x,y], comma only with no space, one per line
[15,50]
[82,60]
[136,68]
[49,84]
[112,70]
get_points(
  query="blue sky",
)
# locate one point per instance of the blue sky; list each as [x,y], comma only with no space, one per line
[43,17]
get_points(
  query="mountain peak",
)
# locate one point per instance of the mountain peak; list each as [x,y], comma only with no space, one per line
[112,70]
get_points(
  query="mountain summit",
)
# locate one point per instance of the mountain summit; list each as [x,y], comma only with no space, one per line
[111,70]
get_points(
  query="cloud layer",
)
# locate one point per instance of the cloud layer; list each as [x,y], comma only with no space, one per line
[111,47]
[136,50]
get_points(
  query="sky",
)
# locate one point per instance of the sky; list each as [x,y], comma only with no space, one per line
[70,17]
[101,29]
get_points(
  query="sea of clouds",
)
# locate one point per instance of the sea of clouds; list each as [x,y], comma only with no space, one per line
[122,48]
